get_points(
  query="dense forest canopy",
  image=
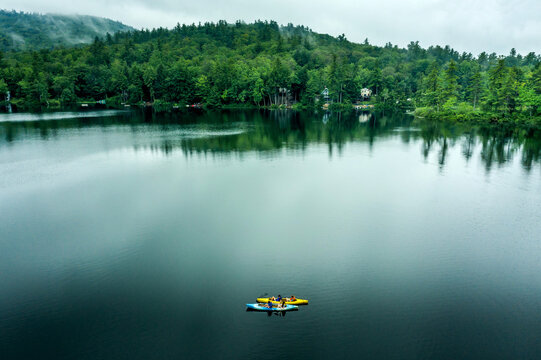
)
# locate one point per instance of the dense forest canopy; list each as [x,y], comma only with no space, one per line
[264,64]
[25,31]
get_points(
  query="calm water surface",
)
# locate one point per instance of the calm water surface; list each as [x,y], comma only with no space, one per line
[131,236]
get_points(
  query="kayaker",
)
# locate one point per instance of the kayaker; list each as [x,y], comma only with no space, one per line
[283,303]
[292,298]
[269,304]
[279,298]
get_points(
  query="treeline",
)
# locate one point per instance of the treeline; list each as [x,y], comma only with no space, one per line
[506,88]
[264,64]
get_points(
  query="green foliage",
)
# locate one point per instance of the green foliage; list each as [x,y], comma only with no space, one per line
[529,100]
[67,97]
[3,88]
[474,89]
[263,64]
[451,81]
[450,104]
[464,108]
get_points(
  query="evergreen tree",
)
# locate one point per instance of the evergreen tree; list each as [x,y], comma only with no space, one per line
[497,78]
[475,88]
[433,93]
[451,81]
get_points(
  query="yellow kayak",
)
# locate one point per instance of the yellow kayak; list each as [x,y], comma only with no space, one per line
[288,301]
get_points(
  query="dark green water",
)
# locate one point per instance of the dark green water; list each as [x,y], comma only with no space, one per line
[125,236]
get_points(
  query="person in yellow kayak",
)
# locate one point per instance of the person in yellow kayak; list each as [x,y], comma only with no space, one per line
[292,298]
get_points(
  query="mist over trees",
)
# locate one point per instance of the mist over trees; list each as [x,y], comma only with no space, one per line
[264,64]
[30,31]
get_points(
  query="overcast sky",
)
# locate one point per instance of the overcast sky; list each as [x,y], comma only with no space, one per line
[466,25]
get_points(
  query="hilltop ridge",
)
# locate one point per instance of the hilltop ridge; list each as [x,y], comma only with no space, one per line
[33,31]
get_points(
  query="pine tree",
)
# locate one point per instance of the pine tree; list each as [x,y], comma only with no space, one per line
[509,91]
[475,88]
[496,79]
[433,93]
[451,81]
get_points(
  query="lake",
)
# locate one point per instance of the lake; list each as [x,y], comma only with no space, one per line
[131,235]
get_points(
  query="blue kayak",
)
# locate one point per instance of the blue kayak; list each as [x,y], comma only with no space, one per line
[264,307]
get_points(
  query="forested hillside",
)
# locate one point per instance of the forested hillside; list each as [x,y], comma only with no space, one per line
[263,64]
[24,31]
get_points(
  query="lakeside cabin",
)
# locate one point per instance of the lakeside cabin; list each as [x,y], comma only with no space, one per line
[365,94]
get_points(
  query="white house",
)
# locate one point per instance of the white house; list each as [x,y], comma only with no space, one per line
[366,93]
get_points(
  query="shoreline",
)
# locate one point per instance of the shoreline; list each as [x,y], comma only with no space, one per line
[428,114]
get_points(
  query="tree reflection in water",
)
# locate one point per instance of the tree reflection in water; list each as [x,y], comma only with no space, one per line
[232,133]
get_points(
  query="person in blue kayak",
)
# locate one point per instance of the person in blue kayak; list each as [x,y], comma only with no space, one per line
[269,304]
